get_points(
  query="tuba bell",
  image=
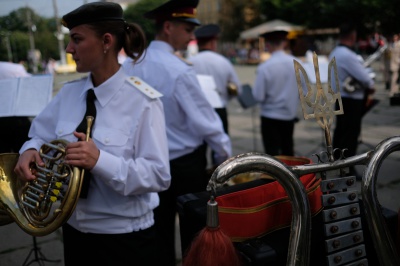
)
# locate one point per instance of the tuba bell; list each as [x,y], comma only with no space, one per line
[40,206]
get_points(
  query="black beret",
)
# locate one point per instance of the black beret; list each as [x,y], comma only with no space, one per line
[207,31]
[275,35]
[183,10]
[92,12]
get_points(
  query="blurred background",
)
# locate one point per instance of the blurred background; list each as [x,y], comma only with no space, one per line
[31,34]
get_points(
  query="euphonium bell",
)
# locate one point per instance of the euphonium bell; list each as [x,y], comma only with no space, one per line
[42,205]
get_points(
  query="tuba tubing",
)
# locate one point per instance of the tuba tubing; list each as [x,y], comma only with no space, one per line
[300,232]
[383,241]
[41,206]
[299,253]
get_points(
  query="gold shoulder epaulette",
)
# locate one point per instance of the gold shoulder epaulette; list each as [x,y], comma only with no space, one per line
[145,88]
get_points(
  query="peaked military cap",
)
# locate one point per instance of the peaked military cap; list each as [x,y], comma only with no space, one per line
[275,35]
[207,31]
[92,12]
[183,10]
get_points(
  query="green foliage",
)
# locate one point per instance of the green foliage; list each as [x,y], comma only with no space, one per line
[134,13]
[14,29]
[370,15]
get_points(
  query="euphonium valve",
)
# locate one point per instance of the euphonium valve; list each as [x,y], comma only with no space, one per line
[42,205]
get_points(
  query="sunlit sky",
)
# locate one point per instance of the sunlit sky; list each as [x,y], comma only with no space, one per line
[44,8]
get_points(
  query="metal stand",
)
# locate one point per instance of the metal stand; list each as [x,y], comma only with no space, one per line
[39,257]
[253,120]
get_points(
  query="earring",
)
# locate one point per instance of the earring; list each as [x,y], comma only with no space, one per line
[105,51]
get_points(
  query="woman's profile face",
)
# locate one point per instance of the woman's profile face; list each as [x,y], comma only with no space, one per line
[86,47]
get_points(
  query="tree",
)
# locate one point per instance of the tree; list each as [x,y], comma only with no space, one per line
[134,13]
[368,15]
[14,29]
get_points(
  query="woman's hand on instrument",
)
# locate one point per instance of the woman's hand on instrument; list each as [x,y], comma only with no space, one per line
[82,153]
[26,165]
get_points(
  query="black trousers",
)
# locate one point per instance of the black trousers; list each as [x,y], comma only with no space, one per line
[348,126]
[188,175]
[223,115]
[13,133]
[136,248]
[277,136]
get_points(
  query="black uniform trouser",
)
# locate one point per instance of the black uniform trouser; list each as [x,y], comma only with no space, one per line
[277,136]
[136,248]
[13,133]
[348,126]
[188,175]
[223,115]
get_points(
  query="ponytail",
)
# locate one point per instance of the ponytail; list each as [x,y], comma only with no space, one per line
[135,41]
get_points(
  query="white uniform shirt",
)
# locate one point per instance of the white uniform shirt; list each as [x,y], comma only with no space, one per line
[133,165]
[220,68]
[348,64]
[275,87]
[190,119]
[12,70]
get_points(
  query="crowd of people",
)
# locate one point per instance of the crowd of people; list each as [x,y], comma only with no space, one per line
[149,143]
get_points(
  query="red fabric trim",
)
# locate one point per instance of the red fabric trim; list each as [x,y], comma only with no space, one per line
[260,210]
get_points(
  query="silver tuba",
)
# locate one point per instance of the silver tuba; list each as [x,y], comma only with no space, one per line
[40,206]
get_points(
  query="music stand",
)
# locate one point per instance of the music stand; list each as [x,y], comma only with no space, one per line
[247,100]
[39,257]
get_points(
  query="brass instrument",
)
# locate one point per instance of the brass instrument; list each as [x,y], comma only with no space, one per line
[350,84]
[40,206]
[232,89]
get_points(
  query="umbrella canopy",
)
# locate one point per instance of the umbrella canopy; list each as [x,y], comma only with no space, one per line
[272,25]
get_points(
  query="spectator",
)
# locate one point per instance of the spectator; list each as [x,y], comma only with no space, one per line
[394,65]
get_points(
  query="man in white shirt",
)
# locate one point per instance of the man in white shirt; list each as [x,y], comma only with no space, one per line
[275,88]
[190,119]
[348,126]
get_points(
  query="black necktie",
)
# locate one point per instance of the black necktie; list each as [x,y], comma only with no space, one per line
[90,111]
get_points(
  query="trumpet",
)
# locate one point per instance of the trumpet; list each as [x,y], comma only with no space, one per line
[41,206]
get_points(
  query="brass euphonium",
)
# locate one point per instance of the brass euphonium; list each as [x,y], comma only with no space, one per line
[41,206]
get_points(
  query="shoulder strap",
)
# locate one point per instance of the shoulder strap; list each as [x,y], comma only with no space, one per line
[144,87]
